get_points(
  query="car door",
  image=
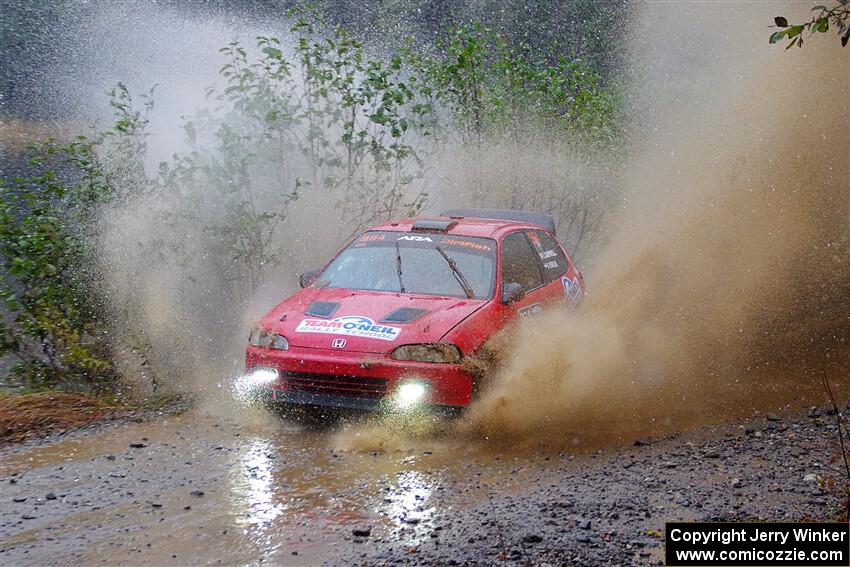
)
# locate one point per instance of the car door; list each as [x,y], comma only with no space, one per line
[561,279]
[520,265]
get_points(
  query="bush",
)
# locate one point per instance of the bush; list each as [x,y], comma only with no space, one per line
[54,326]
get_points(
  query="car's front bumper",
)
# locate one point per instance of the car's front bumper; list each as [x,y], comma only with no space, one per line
[362,381]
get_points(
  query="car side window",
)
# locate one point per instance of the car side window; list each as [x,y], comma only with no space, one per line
[550,253]
[519,263]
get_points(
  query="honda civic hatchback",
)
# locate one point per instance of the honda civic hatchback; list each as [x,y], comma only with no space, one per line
[388,321]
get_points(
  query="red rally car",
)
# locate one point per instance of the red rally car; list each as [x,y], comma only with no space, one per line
[388,321]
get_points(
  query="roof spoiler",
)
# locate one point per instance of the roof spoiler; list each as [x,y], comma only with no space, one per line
[540,219]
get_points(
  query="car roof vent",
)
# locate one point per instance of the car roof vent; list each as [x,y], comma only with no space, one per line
[425,225]
[404,315]
[322,309]
[540,219]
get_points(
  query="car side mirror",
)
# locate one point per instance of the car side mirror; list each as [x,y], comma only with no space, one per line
[305,279]
[511,291]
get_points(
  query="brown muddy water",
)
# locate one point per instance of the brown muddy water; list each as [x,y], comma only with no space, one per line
[200,488]
[267,492]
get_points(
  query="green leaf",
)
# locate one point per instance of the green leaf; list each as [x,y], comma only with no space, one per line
[379,117]
[794,31]
[273,52]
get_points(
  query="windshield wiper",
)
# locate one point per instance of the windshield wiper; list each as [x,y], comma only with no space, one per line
[398,267]
[467,289]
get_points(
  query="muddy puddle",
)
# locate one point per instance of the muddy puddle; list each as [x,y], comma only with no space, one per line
[200,488]
[205,488]
[279,492]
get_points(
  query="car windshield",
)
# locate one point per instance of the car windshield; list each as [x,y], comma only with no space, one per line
[425,263]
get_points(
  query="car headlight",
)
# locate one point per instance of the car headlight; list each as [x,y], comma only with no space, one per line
[409,394]
[262,376]
[267,339]
[432,352]
[248,385]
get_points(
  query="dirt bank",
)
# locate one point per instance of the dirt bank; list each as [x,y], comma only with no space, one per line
[31,416]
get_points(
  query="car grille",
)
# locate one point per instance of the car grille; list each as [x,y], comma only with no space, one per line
[335,385]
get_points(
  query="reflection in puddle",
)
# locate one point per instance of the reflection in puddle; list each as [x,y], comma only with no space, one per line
[253,493]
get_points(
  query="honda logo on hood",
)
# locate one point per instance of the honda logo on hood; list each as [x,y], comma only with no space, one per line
[338,343]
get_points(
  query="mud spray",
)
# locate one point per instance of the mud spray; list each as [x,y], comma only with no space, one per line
[724,283]
[724,286]
[719,284]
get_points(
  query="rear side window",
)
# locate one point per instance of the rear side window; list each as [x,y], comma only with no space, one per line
[550,253]
[519,262]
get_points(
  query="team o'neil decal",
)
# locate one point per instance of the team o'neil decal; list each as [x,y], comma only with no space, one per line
[352,325]
[572,288]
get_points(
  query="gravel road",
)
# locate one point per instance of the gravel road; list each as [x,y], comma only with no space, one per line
[200,489]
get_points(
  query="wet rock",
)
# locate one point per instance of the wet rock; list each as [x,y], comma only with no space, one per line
[198,493]
[532,538]
[13,481]
[585,525]
[712,455]
[110,457]
[50,496]
[28,517]
[137,445]
[362,531]
[643,442]
[773,417]
[19,499]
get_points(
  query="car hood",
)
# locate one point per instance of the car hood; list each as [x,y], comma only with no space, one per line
[373,322]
